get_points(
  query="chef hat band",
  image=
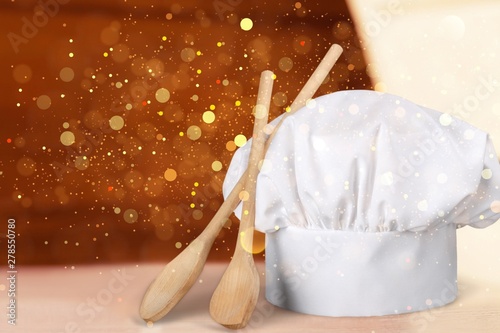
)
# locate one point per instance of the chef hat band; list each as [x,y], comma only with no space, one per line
[334,273]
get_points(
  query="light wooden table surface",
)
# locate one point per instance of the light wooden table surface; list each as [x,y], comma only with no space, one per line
[106,298]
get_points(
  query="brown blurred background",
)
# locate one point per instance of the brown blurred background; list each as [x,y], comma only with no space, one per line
[119,118]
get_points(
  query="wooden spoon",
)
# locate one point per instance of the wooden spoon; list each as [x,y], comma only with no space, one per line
[179,275]
[235,297]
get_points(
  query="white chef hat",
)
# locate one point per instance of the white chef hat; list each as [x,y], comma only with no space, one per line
[360,195]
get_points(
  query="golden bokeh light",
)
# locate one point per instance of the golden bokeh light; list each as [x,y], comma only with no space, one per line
[170,175]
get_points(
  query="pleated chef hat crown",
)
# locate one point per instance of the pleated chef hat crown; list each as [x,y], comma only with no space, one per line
[360,195]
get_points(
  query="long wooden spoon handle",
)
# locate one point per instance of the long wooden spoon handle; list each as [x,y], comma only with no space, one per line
[261,114]
[235,297]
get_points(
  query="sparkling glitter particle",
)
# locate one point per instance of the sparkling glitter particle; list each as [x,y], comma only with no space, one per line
[258,244]
[244,195]
[67,74]
[116,123]
[445,119]
[285,64]
[170,175]
[387,179]
[197,214]
[423,205]
[188,54]
[442,178]
[230,146]
[259,111]
[353,109]
[208,117]
[22,73]
[246,24]
[495,206]
[81,162]
[130,216]
[240,140]
[43,102]
[67,138]
[280,99]
[487,174]
[26,166]
[193,132]
[162,95]
[217,166]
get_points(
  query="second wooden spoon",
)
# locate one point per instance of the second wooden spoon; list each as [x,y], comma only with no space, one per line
[234,300]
